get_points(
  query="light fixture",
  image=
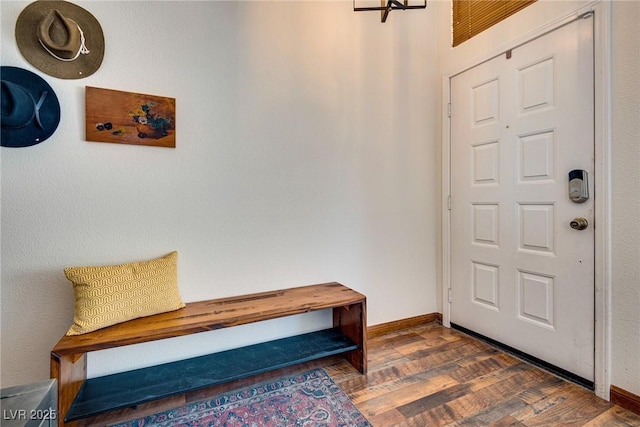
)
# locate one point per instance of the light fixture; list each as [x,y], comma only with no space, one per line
[387,6]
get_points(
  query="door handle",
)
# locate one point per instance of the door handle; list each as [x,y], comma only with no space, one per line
[579,223]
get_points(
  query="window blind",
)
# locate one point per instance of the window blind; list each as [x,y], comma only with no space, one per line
[471,17]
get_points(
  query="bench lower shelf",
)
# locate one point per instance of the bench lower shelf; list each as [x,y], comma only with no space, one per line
[131,388]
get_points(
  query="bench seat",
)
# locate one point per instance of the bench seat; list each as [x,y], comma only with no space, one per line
[76,394]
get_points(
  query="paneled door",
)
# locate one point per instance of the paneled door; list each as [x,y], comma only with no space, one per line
[522,261]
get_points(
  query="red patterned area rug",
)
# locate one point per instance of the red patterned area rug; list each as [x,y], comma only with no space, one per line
[311,399]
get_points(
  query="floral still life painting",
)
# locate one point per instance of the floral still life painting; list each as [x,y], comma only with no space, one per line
[130,118]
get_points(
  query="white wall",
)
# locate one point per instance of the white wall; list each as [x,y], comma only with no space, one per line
[305,153]
[625,150]
[623,276]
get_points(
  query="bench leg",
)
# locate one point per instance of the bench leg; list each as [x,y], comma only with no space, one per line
[352,322]
[70,373]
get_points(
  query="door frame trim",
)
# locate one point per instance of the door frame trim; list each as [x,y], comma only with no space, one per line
[602,133]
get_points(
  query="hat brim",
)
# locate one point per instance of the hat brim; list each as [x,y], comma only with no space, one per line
[49,111]
[36,55]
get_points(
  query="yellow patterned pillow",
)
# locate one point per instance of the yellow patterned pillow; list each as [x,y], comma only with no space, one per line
[113,294]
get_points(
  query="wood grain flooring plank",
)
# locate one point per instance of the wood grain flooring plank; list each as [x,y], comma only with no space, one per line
[434,400]
[506,388]
[548,400]
[485,403]
[388,418]
[492,414]
[507,421]
[482,368]
[437,417]
[481,355]
[394,397]
[615,417]
[546,387]
[578,407]
[496,376]
[385,357]
[394,342]
[540,406]
[339,369]
[389,378]
[468,405]
[446,355]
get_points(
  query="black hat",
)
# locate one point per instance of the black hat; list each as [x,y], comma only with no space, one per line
[30,108]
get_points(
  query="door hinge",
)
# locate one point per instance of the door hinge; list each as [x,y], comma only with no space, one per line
[449,110]
[448,202]
[449,294]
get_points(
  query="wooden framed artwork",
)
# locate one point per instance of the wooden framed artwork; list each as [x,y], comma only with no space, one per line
[129,118]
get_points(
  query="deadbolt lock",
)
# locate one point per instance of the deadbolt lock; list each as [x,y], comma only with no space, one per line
[579,223]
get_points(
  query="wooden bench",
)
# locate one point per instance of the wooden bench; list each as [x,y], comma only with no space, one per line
[79,397]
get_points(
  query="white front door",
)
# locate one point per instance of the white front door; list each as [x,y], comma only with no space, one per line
[520,274]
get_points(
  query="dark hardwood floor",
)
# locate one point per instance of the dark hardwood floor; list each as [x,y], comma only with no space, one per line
[434,376]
